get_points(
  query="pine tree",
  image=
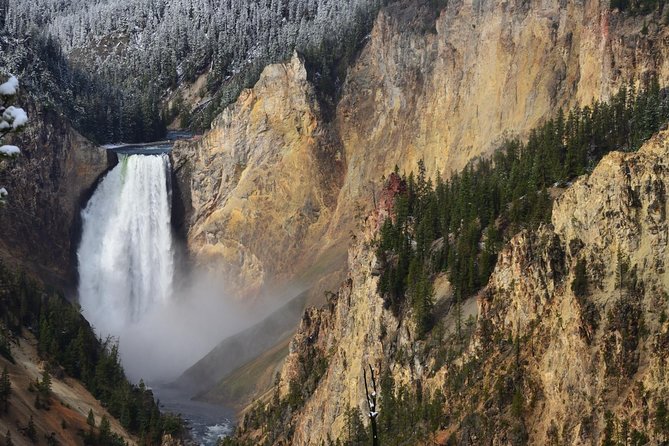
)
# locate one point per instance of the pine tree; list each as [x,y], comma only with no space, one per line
[31,430]
[580,283]
[105,431]
[5,389]
[356,434]
[90,419]
[622,270]
[45,384]
[8,439]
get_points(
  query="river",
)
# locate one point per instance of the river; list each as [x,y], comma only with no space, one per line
[207,422]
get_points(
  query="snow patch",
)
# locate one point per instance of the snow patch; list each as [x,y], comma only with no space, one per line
[17,117]
[9,150]
[10,87]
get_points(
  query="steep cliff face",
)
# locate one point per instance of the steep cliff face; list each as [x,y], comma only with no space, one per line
[488,70]
[263,180]
[348,333]
[48,184]
[544,361]
[274,185]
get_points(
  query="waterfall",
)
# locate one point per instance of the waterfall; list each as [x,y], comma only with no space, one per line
[125,256]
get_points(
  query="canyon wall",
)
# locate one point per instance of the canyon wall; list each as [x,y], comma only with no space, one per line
[584,366]
[276,185]
[48,184]
[52,178]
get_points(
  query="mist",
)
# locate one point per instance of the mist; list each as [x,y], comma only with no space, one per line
[131,286]
[175,334]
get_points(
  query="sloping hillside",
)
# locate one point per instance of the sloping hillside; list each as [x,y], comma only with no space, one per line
[65,419]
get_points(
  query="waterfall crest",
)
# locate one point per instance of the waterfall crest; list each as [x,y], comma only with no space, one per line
[125,257]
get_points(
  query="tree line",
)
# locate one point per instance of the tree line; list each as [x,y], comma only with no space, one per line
[457,226]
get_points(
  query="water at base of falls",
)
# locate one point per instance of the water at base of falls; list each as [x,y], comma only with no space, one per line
[125,256]
[207,422]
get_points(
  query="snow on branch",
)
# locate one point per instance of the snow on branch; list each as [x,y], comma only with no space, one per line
[9,150]
[13,117]
[10,87]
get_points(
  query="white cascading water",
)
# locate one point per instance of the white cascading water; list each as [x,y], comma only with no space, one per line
[125,256]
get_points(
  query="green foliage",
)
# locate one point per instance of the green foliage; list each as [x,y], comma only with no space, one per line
[458,225]
[44,387]
[624,275]
[517,404]
[274,418]
[617,433]
[589,312]
[8,439]
[313,367]
[580,283]
[31,431]
[407,415]
[105,430]
[637,7]
[104,435]
[51,439]
[5,345]
[65,338]
[661,418]
[625,327]
[356,432]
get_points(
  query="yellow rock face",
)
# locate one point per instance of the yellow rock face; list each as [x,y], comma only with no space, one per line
[274,185]
[491,70]
[261,179]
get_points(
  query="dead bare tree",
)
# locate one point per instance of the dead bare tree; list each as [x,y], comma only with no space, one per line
[371,403]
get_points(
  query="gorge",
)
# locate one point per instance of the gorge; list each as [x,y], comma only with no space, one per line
[467,198]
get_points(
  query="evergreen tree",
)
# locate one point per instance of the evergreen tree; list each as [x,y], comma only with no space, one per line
[580,283]
[45,383]
[5,389]
[105,435]
[510,191]
[31,430]
[357,434]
